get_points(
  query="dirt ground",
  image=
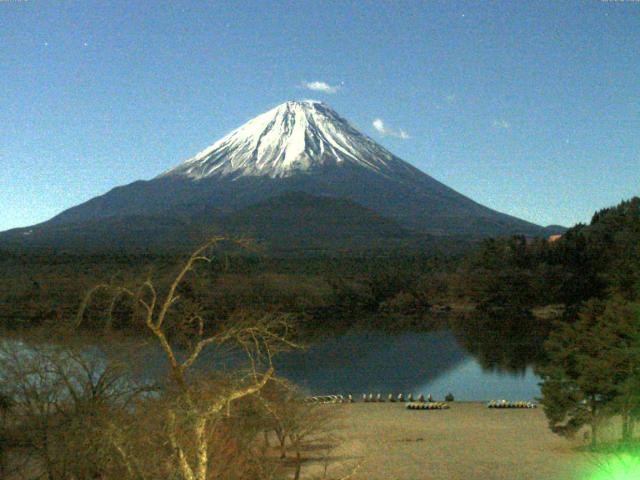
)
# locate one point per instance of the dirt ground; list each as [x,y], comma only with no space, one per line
[467,442]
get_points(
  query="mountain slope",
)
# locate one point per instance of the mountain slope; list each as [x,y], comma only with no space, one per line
[299,221]
[296,147]
[293,222]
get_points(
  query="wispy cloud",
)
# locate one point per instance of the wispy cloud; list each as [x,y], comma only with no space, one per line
[318,86]
[501,123]
[381,128]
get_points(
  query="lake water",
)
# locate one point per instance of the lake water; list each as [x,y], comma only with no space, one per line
[424,362]
[416,362]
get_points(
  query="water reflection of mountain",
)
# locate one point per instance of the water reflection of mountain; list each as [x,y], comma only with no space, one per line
[412,362]
[373,362]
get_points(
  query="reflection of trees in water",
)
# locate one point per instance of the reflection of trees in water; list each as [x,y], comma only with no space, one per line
[506,340]
[372,362]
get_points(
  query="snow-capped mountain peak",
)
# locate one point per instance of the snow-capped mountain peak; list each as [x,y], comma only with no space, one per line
[262,177]
[292,138]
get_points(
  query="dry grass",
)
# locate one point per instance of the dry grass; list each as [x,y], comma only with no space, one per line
[467,442]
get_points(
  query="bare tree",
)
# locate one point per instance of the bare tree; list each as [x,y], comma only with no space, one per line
[82,413]
[195,408]
[297,424]
[61,400]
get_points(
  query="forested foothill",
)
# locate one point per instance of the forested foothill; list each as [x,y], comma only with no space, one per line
[323,293]
[503,280]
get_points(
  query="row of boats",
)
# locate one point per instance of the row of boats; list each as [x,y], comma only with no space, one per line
[508,404]
[370,398]
[400,398]
[427,406]
[421,403]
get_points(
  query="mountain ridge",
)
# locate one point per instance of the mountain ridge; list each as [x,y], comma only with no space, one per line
[296,147]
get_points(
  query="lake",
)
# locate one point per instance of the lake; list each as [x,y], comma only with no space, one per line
[414,362]
[418,362]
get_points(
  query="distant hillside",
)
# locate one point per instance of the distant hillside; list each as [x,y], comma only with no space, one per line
[299,221]
[291,223]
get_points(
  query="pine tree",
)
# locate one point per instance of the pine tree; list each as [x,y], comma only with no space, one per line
[621,354]
[593,369]
[576,386]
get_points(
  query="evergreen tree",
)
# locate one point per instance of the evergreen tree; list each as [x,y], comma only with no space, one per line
[593,369]
[621,356]
[574,390]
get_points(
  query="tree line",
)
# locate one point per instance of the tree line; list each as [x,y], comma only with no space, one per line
[323,293]
[590,365]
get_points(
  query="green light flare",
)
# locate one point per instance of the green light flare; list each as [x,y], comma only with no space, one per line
[618,467]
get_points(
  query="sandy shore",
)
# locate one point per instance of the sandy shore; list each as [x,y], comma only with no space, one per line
[467,442]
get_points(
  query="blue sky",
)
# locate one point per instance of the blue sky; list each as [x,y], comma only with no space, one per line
[533,110]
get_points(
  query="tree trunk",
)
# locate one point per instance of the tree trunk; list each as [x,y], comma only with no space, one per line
[298,464]
[594,423]
[626,419]
[47,457]
[282,440]
[283,447]
[203,452]
[628,423]
[183,463]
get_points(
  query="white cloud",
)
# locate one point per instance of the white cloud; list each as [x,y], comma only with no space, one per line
[378,124]
[318,86]
[501,123]
[381,128]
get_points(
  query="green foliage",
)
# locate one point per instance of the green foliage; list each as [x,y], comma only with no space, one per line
[586,262]
[592,370]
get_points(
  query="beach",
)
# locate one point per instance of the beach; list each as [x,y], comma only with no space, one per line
[466,442]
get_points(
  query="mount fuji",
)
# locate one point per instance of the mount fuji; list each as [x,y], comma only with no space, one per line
[299,174]
[293,138]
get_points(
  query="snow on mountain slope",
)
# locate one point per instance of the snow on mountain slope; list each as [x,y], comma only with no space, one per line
[294,137]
